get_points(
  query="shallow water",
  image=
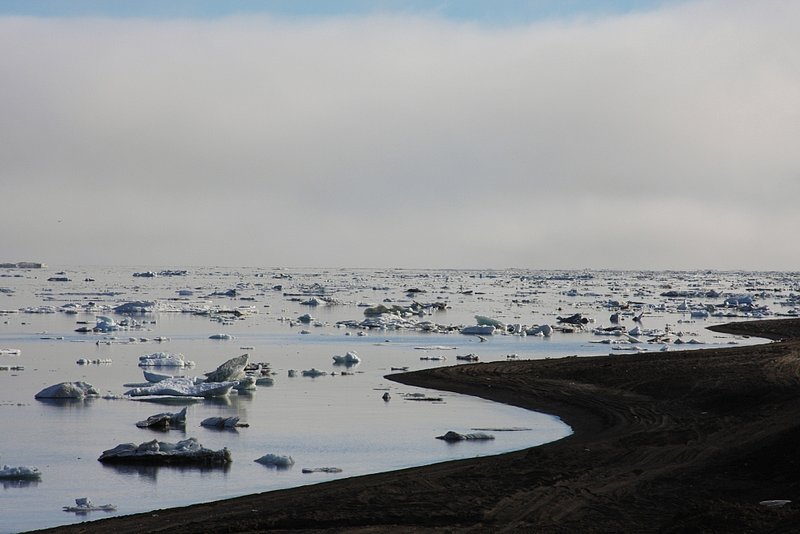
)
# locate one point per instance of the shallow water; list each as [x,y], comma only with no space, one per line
[336,420]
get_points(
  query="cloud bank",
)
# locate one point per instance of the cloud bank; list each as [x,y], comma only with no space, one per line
[659,140]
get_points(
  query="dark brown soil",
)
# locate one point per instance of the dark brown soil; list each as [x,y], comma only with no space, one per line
[669,442]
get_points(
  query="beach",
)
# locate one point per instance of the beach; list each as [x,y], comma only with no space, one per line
[675,441]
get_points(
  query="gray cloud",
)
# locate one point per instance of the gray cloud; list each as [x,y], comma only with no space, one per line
[655,140]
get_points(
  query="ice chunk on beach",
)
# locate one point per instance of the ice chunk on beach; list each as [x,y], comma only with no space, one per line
[68,390]
[188,451]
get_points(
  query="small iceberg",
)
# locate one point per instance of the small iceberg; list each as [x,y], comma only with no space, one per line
[313,373]
[455,436]
[183,387]
[84,505]
[544,330]
[350,358]
[164,359]
[223,422]
[68,390]
[246,384]
[188,451]
[137,306]
[23,472]
[154,377]
[164,421]
[488,321]
[322,470]
[478,330]
[230,371]
[276,460]
[105,324]
[221,336]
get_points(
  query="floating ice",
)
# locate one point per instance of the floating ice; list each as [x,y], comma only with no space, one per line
[221,336]
[105,324]
[68,390]
[313,372]
[164,421]
[10,352]
[248,383]
[188,451]
[137,306]
[231,370]
[164,359]
[275,460]
[222,422]
[488,321]
[322,470]
[455,436]
[84,505]
[541,330]
[478,330]
[154,377]
[350,358]
[183,387]
[23,472]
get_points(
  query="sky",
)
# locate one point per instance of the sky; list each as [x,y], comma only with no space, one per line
[417,134]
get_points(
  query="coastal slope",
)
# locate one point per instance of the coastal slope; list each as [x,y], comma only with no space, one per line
[680,441]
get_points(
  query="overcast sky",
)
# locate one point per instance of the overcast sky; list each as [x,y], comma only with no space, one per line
[664,137]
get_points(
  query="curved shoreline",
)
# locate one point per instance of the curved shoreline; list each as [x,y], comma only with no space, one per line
[666,442]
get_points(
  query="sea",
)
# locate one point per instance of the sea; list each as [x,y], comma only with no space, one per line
[290,320]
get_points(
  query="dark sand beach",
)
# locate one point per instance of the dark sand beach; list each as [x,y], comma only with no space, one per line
[678,441]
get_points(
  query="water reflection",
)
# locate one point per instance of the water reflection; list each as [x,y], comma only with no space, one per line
[149,473]
[18,483]
[67,403]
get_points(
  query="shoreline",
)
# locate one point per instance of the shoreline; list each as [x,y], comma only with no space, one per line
[662,442]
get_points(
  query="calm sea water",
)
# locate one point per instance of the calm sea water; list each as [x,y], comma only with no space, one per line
[337,420]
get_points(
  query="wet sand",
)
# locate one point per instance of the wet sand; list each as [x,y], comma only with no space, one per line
[674,441]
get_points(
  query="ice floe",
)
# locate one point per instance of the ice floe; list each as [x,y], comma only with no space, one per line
[183,387]
[188,451]
[23,472]
[68,390]
[231,370]
[276,460]
[164,421]
[164,359]
[349,358]
[322,470]
[223,422]
[455,436]
[84,505]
